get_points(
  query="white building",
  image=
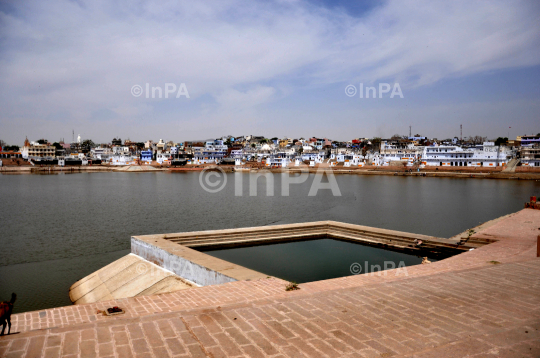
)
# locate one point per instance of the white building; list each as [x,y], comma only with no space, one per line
[488,155]
[280,159]
[161,146]
[391,153]
[530,157]
[120,150]
[101,153]
[122,160]
[163,158]
[212,152]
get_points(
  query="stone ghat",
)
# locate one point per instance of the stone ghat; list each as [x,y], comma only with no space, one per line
[180,265]
[482,303]
[293,232]
[179,253]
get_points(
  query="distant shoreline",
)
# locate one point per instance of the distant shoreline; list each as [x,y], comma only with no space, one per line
[439,172]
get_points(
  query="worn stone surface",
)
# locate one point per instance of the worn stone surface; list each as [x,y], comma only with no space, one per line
[128,276]
[483,303]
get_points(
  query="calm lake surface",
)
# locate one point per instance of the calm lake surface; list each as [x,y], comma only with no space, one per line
[56,229]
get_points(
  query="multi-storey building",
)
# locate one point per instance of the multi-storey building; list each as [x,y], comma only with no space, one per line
[396,152]
[104,154]
[527,140]
[35,150]
[487,155]
[212,152]
[530,156]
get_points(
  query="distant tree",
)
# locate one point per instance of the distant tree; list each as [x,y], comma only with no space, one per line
[88,143]
[476,140]
[364,152]
[376,143]
[2,143]
[253,145]
[57,145]
[43,141]
[538,134]
[14,148]
[400,138]
[501,141]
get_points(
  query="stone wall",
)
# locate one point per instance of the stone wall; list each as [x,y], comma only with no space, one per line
[179,264]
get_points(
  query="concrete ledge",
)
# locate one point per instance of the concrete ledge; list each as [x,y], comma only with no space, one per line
[190,264]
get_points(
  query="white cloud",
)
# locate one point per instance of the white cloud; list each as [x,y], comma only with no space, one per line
[250,98]
[82,57]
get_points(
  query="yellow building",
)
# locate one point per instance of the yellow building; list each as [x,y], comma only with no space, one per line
[37,150]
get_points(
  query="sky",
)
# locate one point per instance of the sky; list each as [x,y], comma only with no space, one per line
[273,68]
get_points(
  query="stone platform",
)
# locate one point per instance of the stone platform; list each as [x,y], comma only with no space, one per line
[177,258]
[481,303]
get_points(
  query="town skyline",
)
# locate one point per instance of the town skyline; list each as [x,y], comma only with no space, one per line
[433,140]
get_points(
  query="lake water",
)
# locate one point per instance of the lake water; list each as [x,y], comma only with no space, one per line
[56,229]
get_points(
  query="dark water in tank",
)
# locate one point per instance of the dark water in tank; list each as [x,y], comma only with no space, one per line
[320,259]
[56,229]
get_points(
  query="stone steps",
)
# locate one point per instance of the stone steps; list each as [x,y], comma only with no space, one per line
[247,240]
[186,239]
[370,237]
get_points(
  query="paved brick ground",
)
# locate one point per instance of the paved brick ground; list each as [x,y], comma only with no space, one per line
[462,306]
[209,296]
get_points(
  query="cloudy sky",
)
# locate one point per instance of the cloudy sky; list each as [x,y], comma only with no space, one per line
[273,68]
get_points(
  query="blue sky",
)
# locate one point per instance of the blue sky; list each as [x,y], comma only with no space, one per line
[274,68]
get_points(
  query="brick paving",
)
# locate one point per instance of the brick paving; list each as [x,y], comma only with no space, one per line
[463,306]
[208,296]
